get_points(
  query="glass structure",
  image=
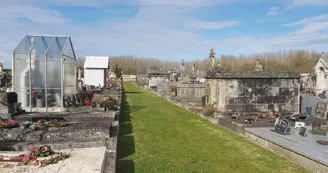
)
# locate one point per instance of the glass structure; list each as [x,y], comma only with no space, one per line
[44,71]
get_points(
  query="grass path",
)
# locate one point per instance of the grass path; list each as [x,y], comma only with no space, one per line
[157,136]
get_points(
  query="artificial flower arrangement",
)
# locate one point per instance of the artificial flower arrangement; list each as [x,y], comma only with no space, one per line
[9,124]
[33,156]
[41,124]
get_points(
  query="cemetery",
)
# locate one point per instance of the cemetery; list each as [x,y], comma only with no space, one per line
[284,112]
[52,115]
[45,121]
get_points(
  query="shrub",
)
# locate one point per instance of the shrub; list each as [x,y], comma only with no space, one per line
[209,111]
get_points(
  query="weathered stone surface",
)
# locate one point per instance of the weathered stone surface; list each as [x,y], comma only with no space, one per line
[256,94]
[89,160]
[221,74]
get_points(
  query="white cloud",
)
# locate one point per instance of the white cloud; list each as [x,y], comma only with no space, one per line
[309,2]
[159,29]
[273,11]
[212,25]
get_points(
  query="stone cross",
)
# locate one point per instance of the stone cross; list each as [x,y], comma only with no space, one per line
[212,57]
[258,66]
[322,54]
[182,69]
[193,68]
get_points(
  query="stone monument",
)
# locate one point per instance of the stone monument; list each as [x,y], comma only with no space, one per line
[258,66]
[193,77]
[182,71]
[212,57]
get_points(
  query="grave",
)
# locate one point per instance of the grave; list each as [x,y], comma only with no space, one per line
[81,127]
[253,92]
[190,91]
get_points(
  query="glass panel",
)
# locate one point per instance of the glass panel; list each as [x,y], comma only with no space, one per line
[54,97]
[57,46]
[38,72]
[54,73]
[21,71]
[68,50]
[41,46]
[69,77]
[26,44]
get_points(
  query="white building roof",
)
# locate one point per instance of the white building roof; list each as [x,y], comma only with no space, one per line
[96,62]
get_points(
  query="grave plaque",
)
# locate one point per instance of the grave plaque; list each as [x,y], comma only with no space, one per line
[321,111]
[299,124]
[317,130]
[281,126]
[302,131]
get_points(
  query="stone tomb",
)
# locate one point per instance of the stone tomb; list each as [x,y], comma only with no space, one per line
[253,91]
[156,77]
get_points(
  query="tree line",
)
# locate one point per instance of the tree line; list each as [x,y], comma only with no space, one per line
[301,61]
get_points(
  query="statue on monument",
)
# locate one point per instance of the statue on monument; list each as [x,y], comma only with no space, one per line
[258,66]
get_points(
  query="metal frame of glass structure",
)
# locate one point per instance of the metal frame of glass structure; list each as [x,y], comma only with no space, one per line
[46,65]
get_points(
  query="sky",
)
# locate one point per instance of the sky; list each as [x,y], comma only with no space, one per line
[168,29]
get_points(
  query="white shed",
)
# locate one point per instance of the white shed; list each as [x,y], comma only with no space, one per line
[94,70]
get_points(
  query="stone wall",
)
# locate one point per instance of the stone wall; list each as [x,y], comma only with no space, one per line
[191,93]
[196,90]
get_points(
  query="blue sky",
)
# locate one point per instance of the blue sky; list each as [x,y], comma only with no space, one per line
[168,29]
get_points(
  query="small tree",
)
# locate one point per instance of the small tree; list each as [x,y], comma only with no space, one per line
[117,71]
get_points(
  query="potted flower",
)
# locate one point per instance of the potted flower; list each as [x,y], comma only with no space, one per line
[34,95]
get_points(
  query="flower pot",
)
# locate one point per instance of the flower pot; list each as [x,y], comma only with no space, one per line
[39,103]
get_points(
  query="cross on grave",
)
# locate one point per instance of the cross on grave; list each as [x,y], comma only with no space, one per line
[281,126]
[193,68]
[212,57]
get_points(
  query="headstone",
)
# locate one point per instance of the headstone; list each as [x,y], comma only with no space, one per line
[282,126]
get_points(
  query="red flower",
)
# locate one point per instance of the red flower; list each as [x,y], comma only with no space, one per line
[40,121]
[34,93]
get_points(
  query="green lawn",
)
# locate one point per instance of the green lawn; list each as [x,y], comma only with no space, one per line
[157,136]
